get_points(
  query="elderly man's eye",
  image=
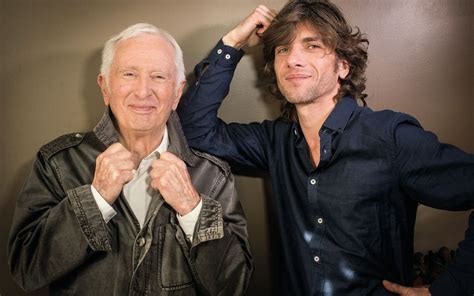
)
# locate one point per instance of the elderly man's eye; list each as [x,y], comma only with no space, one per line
[159,77]
[128,74]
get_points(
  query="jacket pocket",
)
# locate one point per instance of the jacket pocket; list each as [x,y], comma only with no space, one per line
[173,269]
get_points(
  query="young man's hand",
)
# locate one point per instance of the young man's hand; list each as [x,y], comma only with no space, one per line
[249,31]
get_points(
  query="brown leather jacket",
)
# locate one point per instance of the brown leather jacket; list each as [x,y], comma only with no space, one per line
[58,237]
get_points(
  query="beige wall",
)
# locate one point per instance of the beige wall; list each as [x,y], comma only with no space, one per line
[421,62]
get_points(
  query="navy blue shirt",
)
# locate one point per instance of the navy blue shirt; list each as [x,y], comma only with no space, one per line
[347,224]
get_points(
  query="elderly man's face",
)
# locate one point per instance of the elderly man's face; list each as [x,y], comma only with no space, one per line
[141,89]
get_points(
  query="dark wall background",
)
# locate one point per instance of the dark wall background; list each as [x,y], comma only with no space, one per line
[421,63]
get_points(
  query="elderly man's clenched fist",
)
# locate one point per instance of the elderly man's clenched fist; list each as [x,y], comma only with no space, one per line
[113,168]
[170,176]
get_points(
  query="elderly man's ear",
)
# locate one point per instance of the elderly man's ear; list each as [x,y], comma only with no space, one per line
[179,92]
[103,88]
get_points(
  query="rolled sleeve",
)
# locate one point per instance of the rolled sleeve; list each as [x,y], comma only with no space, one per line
[211,222]
[89,217]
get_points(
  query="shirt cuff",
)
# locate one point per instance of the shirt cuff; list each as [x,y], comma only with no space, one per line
[107,211]
[225,55]
[188,221]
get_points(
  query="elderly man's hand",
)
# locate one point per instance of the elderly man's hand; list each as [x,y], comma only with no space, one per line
[113,168]
[405,291]
[250,30]
[170,176]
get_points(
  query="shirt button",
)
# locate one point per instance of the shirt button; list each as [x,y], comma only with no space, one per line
[219,51]
[324,151]
[316,259]
[320,220]
[313,181]
[141,242]
[227,56]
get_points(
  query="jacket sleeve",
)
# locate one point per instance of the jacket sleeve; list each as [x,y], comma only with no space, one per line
[240,144]
[220,253]
[53,232]
[440,176]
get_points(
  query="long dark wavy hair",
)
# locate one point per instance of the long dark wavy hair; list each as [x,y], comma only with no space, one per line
[348,44]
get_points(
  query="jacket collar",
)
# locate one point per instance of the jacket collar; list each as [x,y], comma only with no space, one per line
[106,132]
[178,144]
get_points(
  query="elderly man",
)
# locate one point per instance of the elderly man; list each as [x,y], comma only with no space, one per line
[128,208]
[347,180]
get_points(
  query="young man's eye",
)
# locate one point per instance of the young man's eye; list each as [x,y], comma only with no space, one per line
[314,46]
[281,50]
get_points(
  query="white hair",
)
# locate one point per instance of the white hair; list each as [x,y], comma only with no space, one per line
[133,31]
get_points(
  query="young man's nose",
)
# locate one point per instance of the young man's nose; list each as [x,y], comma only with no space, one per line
[295,58]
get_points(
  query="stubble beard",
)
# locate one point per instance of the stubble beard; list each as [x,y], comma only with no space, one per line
[301,96]
[316,90]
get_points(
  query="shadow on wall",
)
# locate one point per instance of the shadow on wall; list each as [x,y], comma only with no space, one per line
[272,105]
[93,102]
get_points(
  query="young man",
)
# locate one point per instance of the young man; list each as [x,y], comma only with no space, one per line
[129,209]
[347,180]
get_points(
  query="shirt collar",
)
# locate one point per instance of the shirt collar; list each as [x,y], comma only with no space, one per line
[164,142]
[339,117]
[146,163]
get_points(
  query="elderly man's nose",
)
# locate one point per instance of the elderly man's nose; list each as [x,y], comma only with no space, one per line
[143,88]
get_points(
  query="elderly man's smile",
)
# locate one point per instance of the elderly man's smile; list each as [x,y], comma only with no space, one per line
[142,109]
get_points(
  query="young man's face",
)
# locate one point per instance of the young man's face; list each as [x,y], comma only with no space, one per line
[141,87]
[306,69]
